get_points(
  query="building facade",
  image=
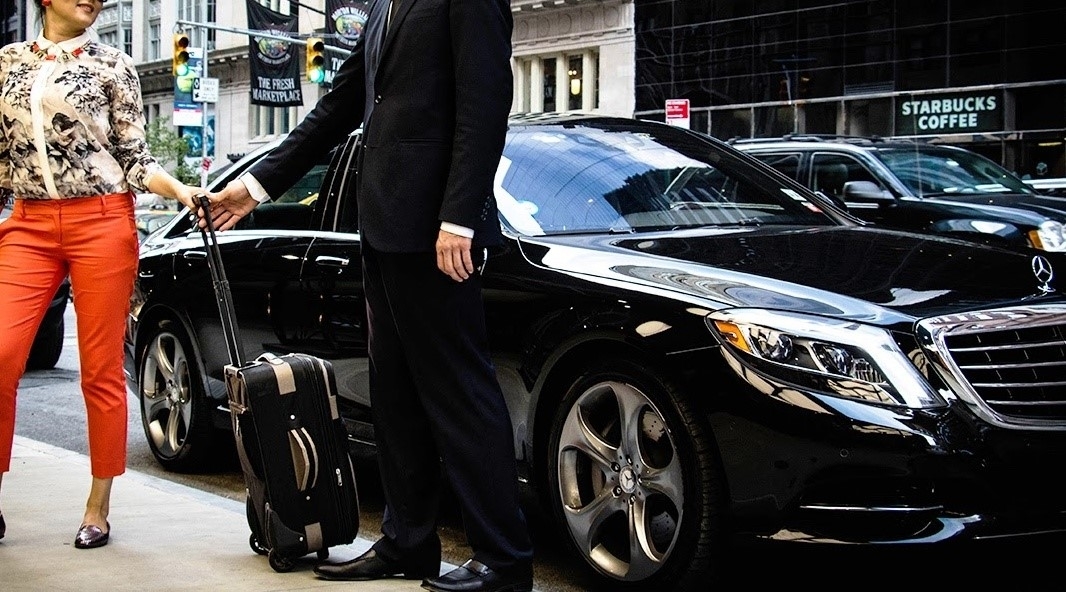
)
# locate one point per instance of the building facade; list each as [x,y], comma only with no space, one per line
[984,74]
[568,55]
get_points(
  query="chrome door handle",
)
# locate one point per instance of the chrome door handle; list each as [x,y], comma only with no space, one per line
[194,255]
[328,261]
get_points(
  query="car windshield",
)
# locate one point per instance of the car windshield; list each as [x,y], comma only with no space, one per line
[930,171]
[596,178]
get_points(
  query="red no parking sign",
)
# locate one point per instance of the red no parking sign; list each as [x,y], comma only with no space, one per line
[677,112]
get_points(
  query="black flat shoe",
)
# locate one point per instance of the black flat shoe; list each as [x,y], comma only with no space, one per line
[371,566]
[3,526]
[474,576]
[91,536]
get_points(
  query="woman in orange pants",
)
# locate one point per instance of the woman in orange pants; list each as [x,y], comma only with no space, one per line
[72,145]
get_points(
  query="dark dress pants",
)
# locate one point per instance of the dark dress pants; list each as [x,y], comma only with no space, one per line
[435,399]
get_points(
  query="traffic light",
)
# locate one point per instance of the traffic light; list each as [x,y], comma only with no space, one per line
[316,60]
[180,60]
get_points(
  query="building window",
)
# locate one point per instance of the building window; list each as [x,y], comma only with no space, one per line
[272,121]
[192,10]
[127,41]
[562,82]
[548,101]
[153,34]
[153,41]
[573,75]
[109,38]
[152,112]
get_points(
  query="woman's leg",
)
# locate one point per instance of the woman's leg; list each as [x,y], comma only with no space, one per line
[101,246]
[31,269]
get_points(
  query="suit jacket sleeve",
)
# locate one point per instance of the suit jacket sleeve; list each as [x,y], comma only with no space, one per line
[481,47]
[338,113]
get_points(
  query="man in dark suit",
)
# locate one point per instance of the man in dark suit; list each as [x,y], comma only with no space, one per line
[430,81]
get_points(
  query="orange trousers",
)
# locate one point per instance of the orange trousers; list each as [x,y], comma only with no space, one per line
[94,240]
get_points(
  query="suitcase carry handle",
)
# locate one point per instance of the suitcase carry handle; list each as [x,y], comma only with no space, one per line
[223,295]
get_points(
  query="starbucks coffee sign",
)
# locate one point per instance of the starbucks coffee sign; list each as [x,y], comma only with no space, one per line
[953,113]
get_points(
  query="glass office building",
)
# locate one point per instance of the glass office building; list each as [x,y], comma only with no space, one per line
[986,74]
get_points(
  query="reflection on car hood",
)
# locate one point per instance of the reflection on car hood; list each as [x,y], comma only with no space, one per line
[1008,205]
[860,273]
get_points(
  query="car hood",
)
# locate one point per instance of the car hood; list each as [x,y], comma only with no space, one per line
[864,274]
[1004,204]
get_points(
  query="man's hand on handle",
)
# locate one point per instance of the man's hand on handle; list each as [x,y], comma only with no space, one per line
[230,205]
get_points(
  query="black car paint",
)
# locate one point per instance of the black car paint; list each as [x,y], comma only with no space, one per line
[789,456]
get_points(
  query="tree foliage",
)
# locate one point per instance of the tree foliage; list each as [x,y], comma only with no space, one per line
[171,151]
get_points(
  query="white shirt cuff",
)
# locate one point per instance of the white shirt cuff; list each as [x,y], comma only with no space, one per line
[456,229]
[255,189]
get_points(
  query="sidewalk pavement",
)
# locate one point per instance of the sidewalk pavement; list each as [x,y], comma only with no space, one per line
[165,536]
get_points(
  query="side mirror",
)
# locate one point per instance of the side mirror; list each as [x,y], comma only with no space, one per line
[866,191]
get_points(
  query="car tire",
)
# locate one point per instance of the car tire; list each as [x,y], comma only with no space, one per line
[47,347]
[659,490]
[175,408]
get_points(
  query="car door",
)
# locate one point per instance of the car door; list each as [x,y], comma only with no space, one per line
[332,283]
[831,172]
[263,257]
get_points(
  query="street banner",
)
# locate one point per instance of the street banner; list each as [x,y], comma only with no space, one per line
[345,20]
[274,64]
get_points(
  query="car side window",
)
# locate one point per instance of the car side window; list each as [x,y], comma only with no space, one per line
[829,173]
[788,164]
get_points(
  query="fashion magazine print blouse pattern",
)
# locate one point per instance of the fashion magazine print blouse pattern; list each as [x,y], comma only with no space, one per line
[71,121]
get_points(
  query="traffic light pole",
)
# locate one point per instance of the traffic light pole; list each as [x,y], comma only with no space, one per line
[205,164]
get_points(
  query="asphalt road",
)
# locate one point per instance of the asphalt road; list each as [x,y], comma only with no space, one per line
[50,410]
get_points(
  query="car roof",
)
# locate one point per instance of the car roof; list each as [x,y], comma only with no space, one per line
[814,142]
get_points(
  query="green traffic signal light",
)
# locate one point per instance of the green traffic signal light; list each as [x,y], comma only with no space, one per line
[180,60]
[315,63]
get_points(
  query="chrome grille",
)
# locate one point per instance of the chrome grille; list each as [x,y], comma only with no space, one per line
[1013,361]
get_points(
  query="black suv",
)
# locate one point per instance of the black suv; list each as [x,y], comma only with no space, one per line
[919,187]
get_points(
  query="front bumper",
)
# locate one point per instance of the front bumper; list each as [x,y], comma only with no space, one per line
[804,466]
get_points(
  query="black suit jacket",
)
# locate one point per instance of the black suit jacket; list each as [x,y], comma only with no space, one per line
[433,98]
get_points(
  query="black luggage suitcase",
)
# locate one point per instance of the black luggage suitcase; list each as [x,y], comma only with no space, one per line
[292,445]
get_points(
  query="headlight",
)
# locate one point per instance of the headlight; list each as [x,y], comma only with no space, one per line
[1051,236]
[838,357]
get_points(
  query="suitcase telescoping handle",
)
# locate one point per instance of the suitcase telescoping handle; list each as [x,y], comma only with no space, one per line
[223,295]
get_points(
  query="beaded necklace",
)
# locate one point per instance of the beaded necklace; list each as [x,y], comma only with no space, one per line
[62,57]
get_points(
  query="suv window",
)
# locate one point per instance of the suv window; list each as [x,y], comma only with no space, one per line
[789,164]
[829,173]
[929,171]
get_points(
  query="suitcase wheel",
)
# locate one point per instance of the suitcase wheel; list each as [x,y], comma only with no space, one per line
[253,542]
[323,554]
[278,563]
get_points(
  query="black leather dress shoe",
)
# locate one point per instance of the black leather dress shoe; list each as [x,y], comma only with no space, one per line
[474,576]
[91,536]
[371,566]
[3,526]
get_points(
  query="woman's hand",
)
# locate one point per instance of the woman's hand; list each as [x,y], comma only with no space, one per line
[187,196]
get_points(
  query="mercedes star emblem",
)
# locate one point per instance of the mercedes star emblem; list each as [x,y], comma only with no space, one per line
[1044,273]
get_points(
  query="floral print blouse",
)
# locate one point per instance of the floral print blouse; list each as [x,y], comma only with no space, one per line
[71,121]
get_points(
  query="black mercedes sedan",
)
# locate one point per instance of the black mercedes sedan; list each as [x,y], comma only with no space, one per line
[692,346]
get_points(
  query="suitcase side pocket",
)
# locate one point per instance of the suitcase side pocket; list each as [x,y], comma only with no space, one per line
[304,458]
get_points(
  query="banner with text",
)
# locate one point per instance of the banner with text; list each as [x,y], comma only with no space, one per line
[274,64]
[345,20]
